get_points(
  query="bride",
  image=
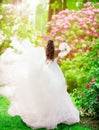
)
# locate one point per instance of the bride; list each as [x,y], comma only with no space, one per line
[32,79]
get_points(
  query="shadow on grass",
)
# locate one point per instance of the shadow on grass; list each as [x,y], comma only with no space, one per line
[15,123]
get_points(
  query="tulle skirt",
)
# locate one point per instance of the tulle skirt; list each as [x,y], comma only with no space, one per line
[37,90]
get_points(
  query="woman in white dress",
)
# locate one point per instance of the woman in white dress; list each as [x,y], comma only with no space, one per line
[36,87]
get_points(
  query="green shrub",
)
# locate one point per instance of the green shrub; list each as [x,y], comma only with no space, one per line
[87,97]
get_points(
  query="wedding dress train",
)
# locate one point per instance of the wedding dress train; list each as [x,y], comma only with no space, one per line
[37,90]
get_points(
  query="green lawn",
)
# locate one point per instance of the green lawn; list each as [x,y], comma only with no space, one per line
[15,123]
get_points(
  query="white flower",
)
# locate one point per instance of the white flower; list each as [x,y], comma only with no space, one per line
[65,49]
[1,33]
[0,42]
[15,27]
[1,17]
[2,37]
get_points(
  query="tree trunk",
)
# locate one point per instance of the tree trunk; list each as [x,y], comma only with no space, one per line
[16,2]
[60,8]
[84,1]
[64,5]
[1,1]
[50,13]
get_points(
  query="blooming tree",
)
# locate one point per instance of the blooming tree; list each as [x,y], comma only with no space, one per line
[77,28]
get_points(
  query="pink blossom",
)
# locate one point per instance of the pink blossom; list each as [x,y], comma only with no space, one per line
[55,29]
[93,80]
[59,38]
[88,85]
[3,51]
[87,50]
[76,40]
[62,12]
[49,23]
[79,38]
[87,32]
[95,20]
[96,10]
[58,22]
[80,50]
[84,9]
[70,17]
[90,12]
[96,35]
[52,33]
[84,25]
[94,23]
[73,45]
[47,26]
[45,37]
[87,4]
[65,26]
[60,30]
[91,16]
[88,22]
[67,59]
[40,42]
[80,19]
[66,11]
[63,31]
[93,29]
[68,23]
[54,16]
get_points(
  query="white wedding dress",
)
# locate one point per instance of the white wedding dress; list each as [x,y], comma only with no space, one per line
[37,90]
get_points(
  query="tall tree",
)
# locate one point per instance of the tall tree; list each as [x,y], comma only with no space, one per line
[84,1]
[1,1]
[64,4]
[59,6]
[55,6]
[50,13]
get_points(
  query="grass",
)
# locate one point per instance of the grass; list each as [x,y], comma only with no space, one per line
[15,123]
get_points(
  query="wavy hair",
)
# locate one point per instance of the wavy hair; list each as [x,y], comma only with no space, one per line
[50,51]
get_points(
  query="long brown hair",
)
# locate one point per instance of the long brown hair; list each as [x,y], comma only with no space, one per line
[50,50]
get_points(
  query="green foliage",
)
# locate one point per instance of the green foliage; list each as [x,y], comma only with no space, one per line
[78,4]
[55,5]
[73,71]
[87,97]
[7,1]
[23,28]
[74,4]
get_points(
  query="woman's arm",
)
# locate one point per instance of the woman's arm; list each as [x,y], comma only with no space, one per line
[56,53]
